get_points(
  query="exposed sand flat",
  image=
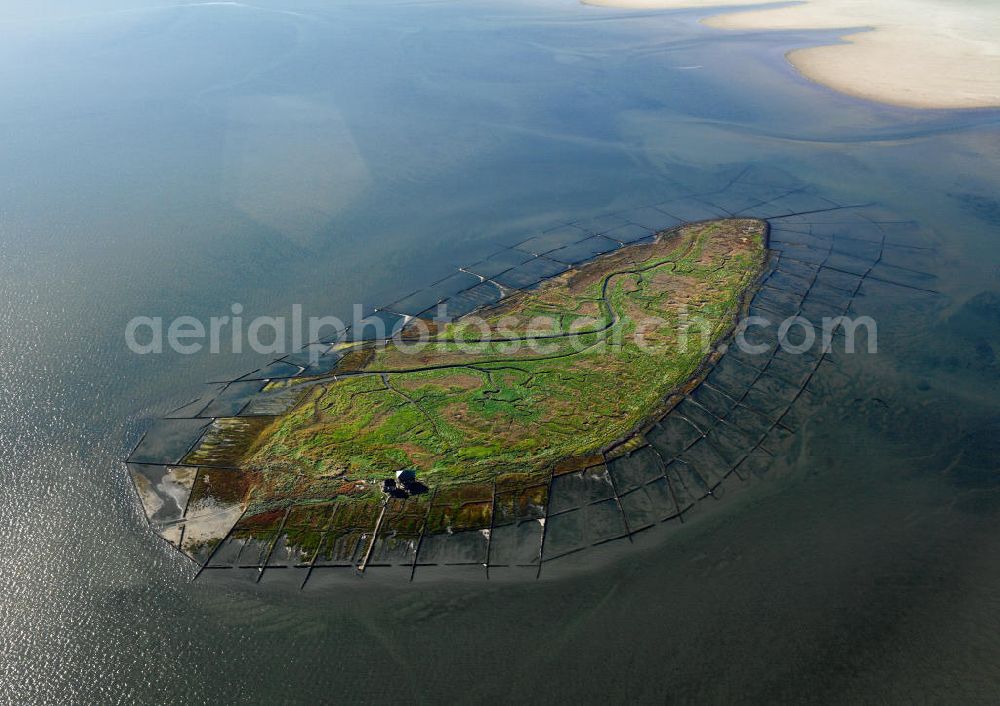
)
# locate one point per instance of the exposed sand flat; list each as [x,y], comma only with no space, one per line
[919,53]
[669,4]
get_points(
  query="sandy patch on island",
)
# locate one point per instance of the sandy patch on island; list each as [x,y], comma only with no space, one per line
[914,53]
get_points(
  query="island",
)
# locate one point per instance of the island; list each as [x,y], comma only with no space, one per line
[459,425]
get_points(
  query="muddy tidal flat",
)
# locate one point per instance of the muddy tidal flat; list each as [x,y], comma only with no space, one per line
[170,161]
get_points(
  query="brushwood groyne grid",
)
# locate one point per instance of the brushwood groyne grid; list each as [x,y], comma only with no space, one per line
[721,434]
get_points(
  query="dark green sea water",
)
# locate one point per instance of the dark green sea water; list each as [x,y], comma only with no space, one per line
[164,160]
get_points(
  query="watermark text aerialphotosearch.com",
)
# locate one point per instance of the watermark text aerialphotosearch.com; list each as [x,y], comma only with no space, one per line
[540,335]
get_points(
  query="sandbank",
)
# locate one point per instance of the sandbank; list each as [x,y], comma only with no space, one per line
[912,53]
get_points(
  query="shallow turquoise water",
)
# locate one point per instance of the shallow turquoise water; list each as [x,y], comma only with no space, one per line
[166,161]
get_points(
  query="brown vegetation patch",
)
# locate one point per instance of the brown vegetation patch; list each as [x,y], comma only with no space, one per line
[456,381]
[356,360]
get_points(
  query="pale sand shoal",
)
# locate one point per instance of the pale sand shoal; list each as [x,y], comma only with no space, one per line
[914,53]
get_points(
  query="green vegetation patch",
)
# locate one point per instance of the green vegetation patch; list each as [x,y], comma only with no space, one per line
[495,401]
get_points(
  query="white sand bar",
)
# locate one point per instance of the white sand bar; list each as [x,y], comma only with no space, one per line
[914,53]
